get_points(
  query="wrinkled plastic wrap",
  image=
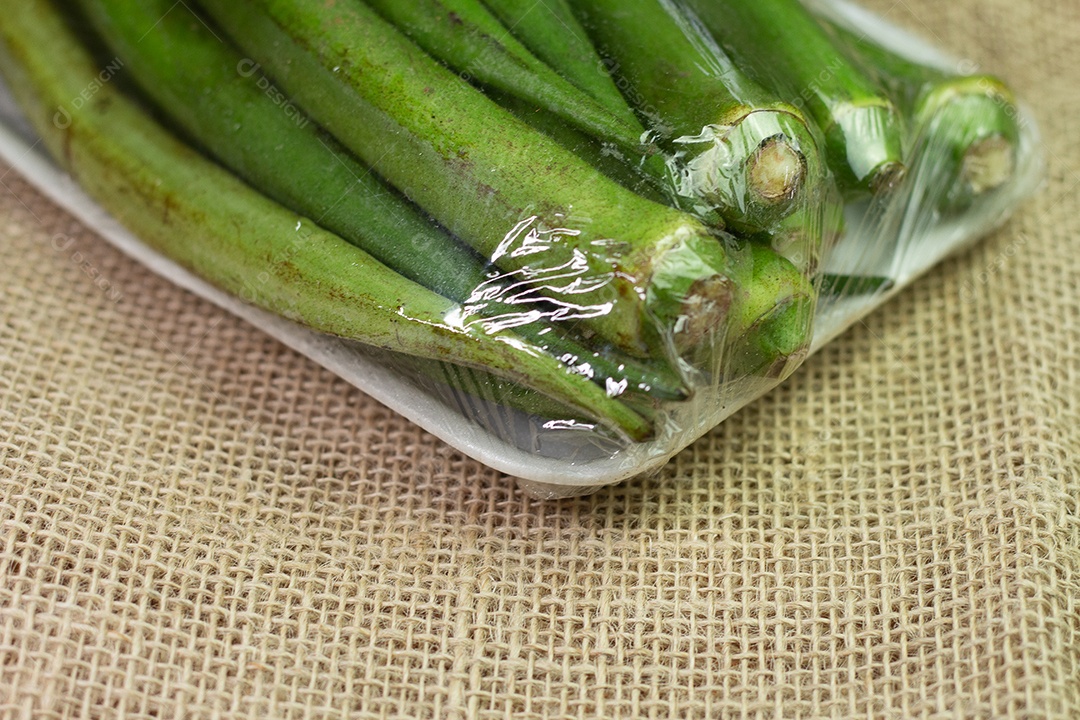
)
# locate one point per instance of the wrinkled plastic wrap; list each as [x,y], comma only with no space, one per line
[663,283]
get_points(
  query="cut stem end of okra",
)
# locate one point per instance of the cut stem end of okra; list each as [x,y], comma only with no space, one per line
[989,163]
[776,171]
[865,149]
[976,118]
[885,178]
[691,293]
[755,171]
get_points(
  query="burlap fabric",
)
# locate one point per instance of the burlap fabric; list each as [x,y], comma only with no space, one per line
[195,521]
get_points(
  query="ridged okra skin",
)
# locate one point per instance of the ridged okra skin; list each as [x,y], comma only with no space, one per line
[554,35]
[782,46]
[469,38]
[650,179]
[634,272]
[740,149]
[209,221]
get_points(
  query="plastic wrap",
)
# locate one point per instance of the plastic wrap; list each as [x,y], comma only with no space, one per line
[569,254]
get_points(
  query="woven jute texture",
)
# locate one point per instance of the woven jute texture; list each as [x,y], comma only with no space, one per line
[195,521]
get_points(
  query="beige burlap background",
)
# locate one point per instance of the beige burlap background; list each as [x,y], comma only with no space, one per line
[197,521]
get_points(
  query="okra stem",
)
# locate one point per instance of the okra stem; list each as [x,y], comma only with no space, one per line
[975,119]
[783,46]
[740,150]
[974,116]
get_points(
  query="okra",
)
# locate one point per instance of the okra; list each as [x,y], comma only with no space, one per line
[652,176]
[470,390]
[973,117]
[212,223]
[782,46]
[636,273]
[771,316]
[806,236]
[971,135]
[552,32]
[469,38]
[648,178]
[740,150]
[222,102]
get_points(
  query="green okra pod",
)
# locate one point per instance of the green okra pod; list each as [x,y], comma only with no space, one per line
[219,98]
[741,150]
[782,46]
[637,273]
[653,177]
[806,236]
[772,316]
[214,224]
[554,35]
[467,37]
[649,179]
[469,389]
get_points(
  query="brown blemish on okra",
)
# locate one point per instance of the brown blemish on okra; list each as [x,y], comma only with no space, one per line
[686,285]
[776,171]
[706,307]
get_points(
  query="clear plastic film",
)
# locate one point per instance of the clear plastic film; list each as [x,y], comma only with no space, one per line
[568,239]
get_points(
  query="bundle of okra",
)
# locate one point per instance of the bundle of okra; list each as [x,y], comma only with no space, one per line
[589,209]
